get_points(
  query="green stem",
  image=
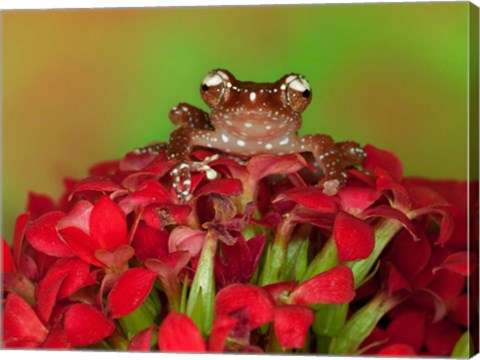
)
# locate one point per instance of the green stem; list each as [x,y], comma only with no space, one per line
[202,293]
[385,230]
[361,324]
[140,319]
[277,254]
[117,341]
[325,260]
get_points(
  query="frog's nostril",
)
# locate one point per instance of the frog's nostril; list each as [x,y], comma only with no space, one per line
[306,93]
[205,87]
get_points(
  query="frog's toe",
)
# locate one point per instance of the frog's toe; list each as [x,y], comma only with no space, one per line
[182,176]
[182,181]
[154,149]
[330,187]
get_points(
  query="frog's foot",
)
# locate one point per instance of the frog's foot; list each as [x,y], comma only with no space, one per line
[351,152]
[182,176]
[154,149]
[331,186]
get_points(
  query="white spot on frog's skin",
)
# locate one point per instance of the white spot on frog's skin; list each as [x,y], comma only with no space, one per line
[284,141]
[268,127]
[248,125]
[240,143]
[225,138]
[283,87]
[253,96]
[184,108]
[268,146]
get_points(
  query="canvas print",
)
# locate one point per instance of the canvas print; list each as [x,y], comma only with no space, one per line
[251,179]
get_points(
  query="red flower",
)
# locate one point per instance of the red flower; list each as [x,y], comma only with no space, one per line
[88,228]
[120,259]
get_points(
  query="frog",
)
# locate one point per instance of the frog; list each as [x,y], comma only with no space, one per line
[249,118]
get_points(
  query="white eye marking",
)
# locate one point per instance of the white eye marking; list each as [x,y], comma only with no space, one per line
[268,146]
[299,84]
[284,141]
[225,138]
[240,143]
[253,96]
[212,79]
[248,125]
[291,78]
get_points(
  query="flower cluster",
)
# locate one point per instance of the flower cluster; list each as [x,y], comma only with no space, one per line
[258,259]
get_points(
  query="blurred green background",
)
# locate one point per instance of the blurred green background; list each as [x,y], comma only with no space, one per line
[82,86]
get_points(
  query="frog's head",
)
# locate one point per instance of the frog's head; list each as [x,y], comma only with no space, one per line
[232,100]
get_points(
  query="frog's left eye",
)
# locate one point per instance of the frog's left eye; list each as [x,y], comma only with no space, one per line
[298,92]
[213,87]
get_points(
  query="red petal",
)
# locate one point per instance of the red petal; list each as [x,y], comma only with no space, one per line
[291,324]
[441,338]
[135,162]
[230,187]
[42,235]
[220,329]
[150,243]
[39,204]
[21,326]
[182,238]
[396,281]
[334,286]
[236,296]
[46,295]
[81,244]
[104,168]
[459,310]
[279,291]
[178,333]
[418,254]
[391,213]
[397,350]
[447,284]
[356,199]
[129,292]
[7,259]
[117,258]
[150,193]
[57,340]
[85,325]
[408,328]
[424,197]
[78,217]
[142,341]
[354,238]
[384,159]
[460,263]
[108,226]
[18,236]
[313,198]
[266,164]
[95,184]
[160,216]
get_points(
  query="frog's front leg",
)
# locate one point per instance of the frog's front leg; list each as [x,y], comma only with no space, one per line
[180,144]
[187,115]
[329,160]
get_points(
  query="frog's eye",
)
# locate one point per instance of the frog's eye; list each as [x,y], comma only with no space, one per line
[213,87]
[298,92]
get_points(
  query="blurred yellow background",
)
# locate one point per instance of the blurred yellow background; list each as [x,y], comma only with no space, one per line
[82,86]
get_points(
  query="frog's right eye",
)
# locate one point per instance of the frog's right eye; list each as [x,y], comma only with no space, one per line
[214,86]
